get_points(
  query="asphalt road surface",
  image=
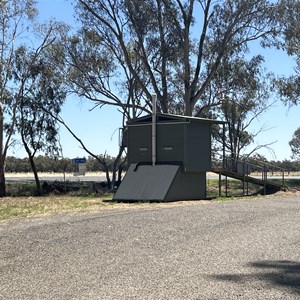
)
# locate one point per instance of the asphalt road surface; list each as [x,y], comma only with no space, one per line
[247,249]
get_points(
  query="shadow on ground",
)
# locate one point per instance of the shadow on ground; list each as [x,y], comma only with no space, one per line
[278,274]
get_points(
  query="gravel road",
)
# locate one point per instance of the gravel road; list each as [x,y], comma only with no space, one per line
[248,249]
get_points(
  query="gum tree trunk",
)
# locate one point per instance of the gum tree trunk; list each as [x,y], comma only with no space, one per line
[2,179]
[2,156]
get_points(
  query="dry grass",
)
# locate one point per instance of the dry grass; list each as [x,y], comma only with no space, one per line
[23,207]
[16,207]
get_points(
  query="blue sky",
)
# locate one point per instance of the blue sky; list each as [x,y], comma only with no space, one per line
[99,128]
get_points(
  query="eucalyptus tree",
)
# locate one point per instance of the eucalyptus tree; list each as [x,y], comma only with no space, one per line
[288,15]
[174,48]
[95,72]
[245,97]
[44,90]
[17,27]
[14,19]
[99,74]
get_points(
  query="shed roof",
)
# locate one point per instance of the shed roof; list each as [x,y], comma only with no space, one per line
[170,118]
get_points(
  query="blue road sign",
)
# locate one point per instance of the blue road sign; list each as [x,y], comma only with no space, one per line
[79,160]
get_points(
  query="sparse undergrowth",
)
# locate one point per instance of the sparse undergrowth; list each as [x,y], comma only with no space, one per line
[81,198]
[17,207]
[235,188]
[74,188]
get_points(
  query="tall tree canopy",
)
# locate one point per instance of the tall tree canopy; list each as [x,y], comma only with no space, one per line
[14,18]
[18,74]
[246,90]
[174,48]
[288,16]
[43,91]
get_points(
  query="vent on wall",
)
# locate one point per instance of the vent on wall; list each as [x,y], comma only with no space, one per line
[167,148]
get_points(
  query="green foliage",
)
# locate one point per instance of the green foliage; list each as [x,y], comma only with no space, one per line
[43,91]
[245,92]
[27,81]
[174,48]
[295,144]
[287,165]
[24,189]
[48,164]
[16,19]
[288,15]
[289,88]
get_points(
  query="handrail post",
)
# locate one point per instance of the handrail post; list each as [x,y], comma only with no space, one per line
[220,184]
[244,176]
[223,137]
[226,186]
[265,179]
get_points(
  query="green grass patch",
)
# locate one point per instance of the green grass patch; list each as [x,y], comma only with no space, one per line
[234,188]
[292,183]
[15,189]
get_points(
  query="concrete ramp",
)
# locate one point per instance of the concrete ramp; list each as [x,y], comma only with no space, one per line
[162,182]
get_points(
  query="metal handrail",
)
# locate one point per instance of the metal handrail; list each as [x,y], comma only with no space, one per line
[245,166]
